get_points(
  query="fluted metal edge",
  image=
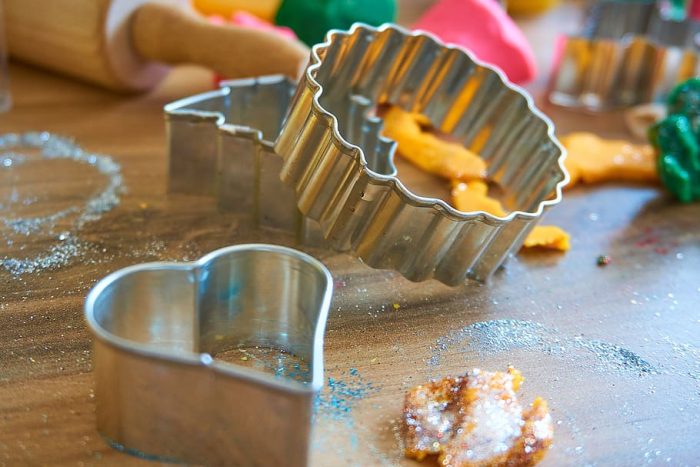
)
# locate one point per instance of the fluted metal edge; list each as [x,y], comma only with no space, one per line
[331,181]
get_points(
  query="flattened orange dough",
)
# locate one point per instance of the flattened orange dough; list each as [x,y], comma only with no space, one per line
[592,159]
[548,236]
[427,151]
[473,196]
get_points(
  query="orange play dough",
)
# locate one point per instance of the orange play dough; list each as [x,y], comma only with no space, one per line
[548,236]
[592,159]
[427,151]
[473,196]
[464,167]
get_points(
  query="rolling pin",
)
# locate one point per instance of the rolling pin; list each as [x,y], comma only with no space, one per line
[125,45]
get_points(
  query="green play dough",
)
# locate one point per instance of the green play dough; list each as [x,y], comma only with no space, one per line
[311,19]
[678,164]
[684,99]
[677,140]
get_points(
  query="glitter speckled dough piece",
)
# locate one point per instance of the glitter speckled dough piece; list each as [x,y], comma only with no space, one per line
[536,437]
[591,159]
[430,412]
[473,196]
[427,151]
[476,420]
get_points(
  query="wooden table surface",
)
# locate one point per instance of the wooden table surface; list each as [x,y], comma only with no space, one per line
[615,350]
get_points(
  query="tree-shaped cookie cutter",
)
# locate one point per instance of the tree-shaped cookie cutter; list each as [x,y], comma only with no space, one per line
[220,144]
[161,391]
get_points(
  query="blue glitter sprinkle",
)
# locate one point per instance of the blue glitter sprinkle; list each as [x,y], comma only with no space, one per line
[334,410]
[340,396]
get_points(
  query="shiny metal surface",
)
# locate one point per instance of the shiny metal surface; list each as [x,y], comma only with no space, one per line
[161,391]
[338,171]
[627,54]
[220,144]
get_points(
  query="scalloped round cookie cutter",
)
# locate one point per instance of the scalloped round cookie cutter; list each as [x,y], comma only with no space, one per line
[162,393]
[362,206]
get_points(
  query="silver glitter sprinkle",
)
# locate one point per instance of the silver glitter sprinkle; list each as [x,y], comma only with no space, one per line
[489,337]
[56,147]
[58,255]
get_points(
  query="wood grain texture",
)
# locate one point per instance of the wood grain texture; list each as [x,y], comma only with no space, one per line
[86,40]
[646,301]
[176,36]
[124,45]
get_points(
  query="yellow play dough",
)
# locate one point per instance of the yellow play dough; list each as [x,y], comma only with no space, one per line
[427,151]
[263,9]
[464,167]
[529,7]
[473,196]
[591,159]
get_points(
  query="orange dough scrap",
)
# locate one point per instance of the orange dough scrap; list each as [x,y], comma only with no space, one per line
[592,159]
[548,236]
[427,151]
[473,196]
[476,420]
[454,162]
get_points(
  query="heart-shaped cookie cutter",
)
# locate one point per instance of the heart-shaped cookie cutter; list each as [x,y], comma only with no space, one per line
[361,205]
[161,393]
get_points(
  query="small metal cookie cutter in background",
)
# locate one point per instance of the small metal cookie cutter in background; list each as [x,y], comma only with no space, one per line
[161,393]
[627,54]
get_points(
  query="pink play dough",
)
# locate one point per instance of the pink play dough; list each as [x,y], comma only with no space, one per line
[695,10]
[241,18]
[246,20]
[485,29]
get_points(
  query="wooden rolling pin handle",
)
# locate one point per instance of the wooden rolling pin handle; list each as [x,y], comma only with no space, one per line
[175,36]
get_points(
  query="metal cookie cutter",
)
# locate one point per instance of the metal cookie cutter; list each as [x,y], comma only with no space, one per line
[343,180]
[162,393]
[220,144]
[627,54]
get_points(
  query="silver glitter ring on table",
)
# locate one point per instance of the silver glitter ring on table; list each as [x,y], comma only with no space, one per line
[161,391]
[360,203]
[51,146]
